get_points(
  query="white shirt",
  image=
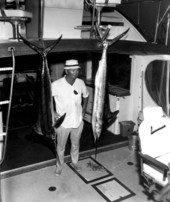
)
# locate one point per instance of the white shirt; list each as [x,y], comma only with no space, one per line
[66,101]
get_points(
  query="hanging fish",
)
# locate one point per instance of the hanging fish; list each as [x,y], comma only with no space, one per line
[46,121]
[100,84]
[99,95]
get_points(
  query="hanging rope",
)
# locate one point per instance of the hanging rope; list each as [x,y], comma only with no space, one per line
[9,106]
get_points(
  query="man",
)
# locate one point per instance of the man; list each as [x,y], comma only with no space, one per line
[71,96]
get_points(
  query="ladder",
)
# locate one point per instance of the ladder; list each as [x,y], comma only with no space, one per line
[4,132]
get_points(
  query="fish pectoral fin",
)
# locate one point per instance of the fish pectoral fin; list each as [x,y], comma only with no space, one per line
[110,121]
[113,114]
[111,118]
[59,121]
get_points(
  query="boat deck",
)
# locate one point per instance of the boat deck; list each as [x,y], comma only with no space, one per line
[110,177]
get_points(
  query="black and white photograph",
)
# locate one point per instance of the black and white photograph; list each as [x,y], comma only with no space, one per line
[84,101]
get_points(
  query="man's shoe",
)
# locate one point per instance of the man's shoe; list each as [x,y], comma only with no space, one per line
[76,167]
[57,172]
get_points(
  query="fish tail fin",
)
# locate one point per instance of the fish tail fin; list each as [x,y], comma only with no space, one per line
[50,47]
[40,50]
[114,40]
[30,44]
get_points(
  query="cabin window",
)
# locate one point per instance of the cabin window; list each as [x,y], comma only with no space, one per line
[118,71]
[157,82]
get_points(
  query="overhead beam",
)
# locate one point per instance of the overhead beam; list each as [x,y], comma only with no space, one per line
[87,45]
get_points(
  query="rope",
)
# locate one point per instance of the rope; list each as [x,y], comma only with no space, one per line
[9,107]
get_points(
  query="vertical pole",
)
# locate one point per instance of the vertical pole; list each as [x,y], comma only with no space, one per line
[138,13]
[93,19]
[89,70]
[168,71]
[167,30]
[17,4]
[157,22]
[1,124]
[167,87]
[116,124]
[41,19]
[99,9]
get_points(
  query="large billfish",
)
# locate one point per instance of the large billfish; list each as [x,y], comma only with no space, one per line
[100,85]
[46,120]
[99,94]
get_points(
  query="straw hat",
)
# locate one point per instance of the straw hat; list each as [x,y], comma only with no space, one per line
[71,64]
